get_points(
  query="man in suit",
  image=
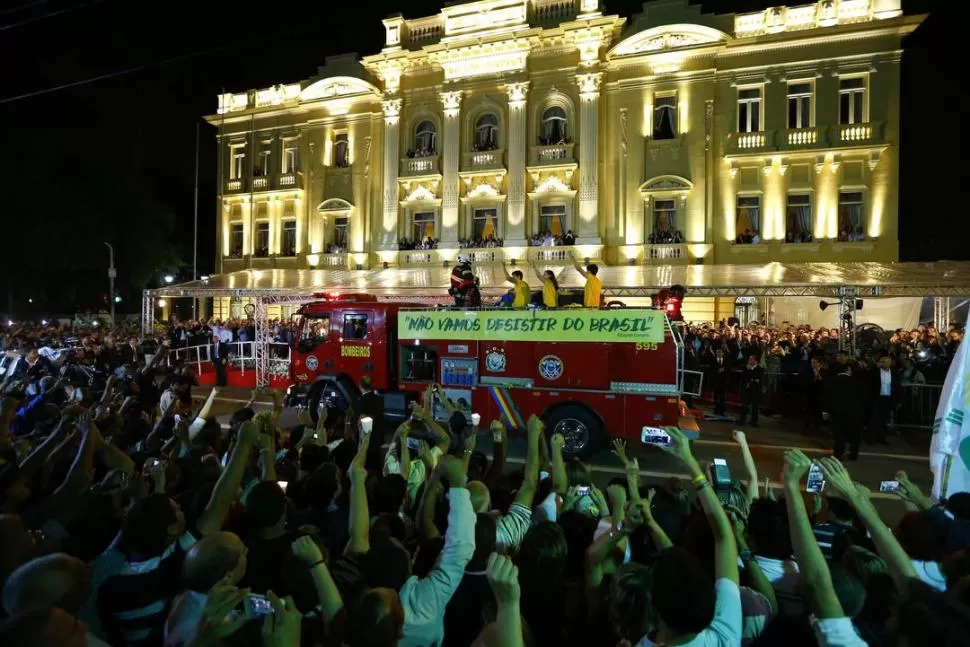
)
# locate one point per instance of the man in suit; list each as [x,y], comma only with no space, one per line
[886,387]
[719,379]
[371,405]
[751,379]
[844,403]
[219,356]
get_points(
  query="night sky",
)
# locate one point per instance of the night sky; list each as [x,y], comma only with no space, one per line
[163,64]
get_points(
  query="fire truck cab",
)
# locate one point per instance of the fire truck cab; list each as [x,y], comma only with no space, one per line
[586,373]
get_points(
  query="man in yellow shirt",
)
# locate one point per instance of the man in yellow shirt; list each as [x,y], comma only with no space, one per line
[593,292]
[520,289]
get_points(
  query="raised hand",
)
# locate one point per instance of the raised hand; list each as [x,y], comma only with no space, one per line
[838,477]
[797,465]
[619,450]
[679,445]
[307,550]
[503,577]
[557,442]
[283,627]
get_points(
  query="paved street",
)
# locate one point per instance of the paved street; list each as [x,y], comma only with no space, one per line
[768,442]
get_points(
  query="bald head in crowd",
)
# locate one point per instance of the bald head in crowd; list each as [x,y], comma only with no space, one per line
[378,619]
[52,580]
[213,558]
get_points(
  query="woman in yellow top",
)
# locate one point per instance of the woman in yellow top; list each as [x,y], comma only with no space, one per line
[522,294]
[550,288]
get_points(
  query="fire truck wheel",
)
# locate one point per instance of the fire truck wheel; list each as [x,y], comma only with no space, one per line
[579,426]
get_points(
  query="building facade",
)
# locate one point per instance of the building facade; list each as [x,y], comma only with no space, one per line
[536,129]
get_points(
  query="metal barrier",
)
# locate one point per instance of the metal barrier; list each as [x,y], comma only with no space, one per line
[242,356]
[917,405]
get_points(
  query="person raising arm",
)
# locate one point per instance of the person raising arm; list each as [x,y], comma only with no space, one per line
[593,292]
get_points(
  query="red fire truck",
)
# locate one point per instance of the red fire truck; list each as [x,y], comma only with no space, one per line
[586,373]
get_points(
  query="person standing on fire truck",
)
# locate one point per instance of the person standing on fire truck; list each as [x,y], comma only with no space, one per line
[550,288]
[521,290]
[593,292]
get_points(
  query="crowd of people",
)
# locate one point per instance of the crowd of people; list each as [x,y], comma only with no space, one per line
[130,516]
[549,239]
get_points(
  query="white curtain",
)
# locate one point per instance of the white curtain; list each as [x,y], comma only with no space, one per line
[889,313]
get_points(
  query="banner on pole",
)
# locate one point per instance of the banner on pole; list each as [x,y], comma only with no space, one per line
[619,325]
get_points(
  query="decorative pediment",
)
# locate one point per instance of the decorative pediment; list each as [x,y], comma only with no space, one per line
[337,87]
[553,184]
[334,205]
[421,193]
[667,37]
[672,183]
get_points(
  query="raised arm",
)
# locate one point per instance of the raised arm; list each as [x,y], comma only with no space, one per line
[560,481]
[725,549]
[227,487]
[508,277]
[899,563]
[749,465]
[359,526]
[814,571]
[530,481]
[579,268]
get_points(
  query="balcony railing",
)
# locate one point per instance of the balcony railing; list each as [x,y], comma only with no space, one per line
[484,254]
[552,155]
[260,183]
[803,137]
[418,257]
[235,185]
[669,252]
[744,142]
[550,254]
[292,180]
[855,133]
[334,260]
[482,160]
[411,166]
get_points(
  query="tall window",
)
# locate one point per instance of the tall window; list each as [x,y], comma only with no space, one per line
[236,239]
[552,219]
[851,207]
[422,226]
[485,224]
[425,136]
[748,226]
[289,238]
[749,110]
[237,161]
[799,105]
[261,248]
[341,150]
[554,127]
[262,164]
[664,217]
[291,155]
[340,224]
[798,228]
[486,132]
[852,101]
[665,117]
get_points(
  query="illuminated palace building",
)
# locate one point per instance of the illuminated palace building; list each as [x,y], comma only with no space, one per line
[532,129]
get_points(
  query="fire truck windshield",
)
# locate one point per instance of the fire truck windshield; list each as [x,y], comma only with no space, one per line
[315,331]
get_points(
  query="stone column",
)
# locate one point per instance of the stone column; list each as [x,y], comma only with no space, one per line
[392,136]
[517,145]
[589,103]
[450,153]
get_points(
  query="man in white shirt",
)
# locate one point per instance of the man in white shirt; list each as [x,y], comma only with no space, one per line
[888,385]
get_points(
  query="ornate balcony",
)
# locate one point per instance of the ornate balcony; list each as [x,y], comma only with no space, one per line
[483,160]
[417,166]
[666,252]
[260,183]
[235,185]
[561,254]
[803,137]
[290,180]
[557,154]
[852,134]
[741,143]
[418,257]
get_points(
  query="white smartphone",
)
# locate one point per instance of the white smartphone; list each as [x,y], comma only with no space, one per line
[476,419]
[720,474]
[258,606]
[582,490]
[816,479]
[414,443]
[889,486]
[283,484]
[654,436]
[366,424]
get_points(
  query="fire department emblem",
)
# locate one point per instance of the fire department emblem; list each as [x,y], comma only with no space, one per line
[312,363]
[495,360]
[550,367]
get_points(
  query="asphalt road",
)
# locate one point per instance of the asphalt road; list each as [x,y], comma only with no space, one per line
[768,443]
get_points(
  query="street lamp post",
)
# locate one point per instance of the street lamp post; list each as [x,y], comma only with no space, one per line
[112,274]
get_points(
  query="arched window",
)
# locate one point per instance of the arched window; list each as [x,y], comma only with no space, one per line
[554,126]
[424,139]
[486,132]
